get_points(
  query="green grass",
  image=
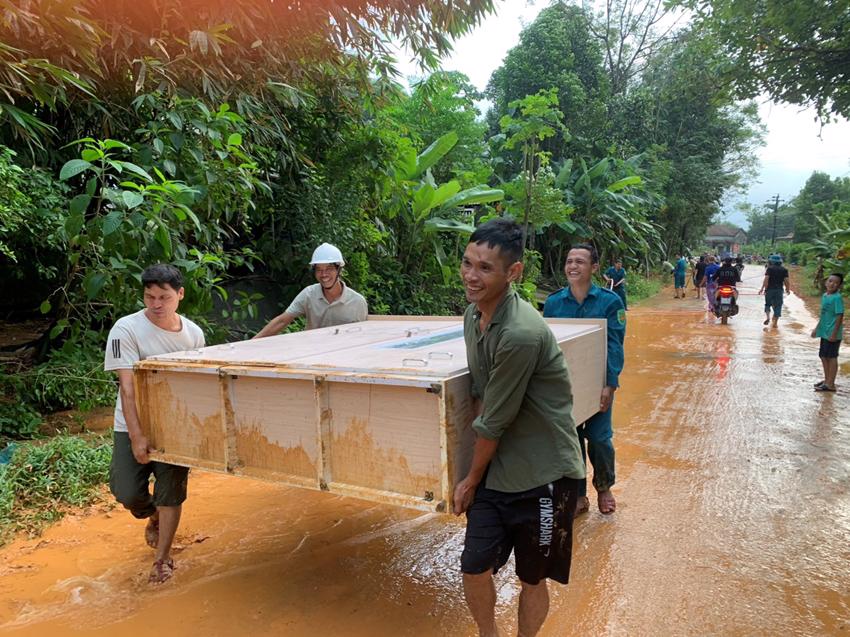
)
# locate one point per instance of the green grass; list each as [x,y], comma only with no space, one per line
[43,479]
[640,288]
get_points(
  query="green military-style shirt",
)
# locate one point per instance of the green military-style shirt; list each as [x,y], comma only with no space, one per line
[519,373]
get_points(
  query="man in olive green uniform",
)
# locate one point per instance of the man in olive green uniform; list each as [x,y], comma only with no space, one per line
[520,492]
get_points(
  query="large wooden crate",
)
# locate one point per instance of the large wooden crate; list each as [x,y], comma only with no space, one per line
[378,409]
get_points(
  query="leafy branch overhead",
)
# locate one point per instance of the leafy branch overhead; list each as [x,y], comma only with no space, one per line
[55,49]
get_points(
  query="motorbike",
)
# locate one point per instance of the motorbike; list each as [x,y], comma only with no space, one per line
[725,304]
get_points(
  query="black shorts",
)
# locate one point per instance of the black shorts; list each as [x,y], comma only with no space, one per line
[829,349]
[537,525]
[129,481]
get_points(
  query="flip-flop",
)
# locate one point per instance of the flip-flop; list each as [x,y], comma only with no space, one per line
[824,388]
[820,383]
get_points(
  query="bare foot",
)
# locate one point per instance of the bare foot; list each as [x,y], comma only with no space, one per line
[582,505]
[161,571]
[607,503]
[152,532]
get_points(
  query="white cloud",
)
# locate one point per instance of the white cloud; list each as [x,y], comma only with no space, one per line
[795,146]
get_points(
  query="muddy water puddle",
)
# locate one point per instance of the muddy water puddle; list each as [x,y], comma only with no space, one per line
[733,518]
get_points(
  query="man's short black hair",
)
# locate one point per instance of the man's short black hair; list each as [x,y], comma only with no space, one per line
[506,234]
[594,255]
[162,274]
[840,278]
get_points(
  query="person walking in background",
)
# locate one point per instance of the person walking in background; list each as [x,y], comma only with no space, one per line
[582,299]
[830,329]
[710,278]
[615,278]
[775,279]
[699,275]
[679,272]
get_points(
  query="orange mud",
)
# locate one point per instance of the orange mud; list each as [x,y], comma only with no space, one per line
[733,519]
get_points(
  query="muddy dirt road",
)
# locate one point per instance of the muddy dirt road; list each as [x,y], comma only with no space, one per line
[733,519]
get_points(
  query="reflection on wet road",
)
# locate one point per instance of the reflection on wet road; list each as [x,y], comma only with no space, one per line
[733,519]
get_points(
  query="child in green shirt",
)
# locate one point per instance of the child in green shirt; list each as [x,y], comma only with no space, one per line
[830,331]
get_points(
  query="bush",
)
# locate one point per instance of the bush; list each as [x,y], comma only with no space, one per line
[42,480]
[17,419]
[639,287]
[72,377]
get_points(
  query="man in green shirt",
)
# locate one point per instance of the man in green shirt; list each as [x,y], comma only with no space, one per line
[521,489]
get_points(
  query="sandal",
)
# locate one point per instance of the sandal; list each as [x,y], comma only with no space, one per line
[161,571]
[820,383]
[824,388]
[152,533]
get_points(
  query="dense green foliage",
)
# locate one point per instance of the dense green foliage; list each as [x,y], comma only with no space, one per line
[817,220]
[796,51]
[43,479]
[231,139]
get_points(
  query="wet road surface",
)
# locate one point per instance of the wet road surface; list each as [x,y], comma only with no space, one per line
[733,519]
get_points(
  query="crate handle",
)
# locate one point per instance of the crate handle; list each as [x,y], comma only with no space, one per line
[414,362]
[356,328]
[411,331]
[443,356]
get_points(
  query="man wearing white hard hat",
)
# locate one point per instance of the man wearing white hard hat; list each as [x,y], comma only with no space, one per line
[328,302]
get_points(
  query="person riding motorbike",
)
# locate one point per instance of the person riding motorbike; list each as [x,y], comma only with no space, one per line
[739,266]
[727,275]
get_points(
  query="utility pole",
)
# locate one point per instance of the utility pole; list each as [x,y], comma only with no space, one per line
[775,210]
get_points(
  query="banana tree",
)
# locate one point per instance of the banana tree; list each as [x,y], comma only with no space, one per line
[422,212]
[833,247]
[611,208]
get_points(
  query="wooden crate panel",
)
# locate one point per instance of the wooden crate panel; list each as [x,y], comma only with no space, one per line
[386,438]
[275,426]
[379,409]
[586,362]
[182,416]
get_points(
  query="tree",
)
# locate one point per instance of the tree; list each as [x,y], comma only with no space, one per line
[534,119]
[817,198]
[210,48]
[797,52]
[694,123]
[445,101]
[629,34]
[557,51]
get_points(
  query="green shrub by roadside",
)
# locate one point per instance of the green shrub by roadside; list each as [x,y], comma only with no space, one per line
[640,288]
[72,377]
[43,479]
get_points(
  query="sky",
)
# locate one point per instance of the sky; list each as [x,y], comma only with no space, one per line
[795,143]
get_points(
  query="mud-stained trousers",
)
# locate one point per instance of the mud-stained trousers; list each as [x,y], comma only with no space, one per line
[595,435]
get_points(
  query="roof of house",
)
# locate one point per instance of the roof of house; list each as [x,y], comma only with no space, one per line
[722,230]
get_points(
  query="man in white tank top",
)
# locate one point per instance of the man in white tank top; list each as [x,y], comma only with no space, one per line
[158,329]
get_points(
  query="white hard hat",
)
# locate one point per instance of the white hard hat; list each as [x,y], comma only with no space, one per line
[326,253]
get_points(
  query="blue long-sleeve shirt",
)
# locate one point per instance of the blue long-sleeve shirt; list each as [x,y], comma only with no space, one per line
[599,303]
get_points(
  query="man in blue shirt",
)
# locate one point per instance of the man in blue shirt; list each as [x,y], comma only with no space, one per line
[679,277]
[615,278]
[710,279]
[582,299]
